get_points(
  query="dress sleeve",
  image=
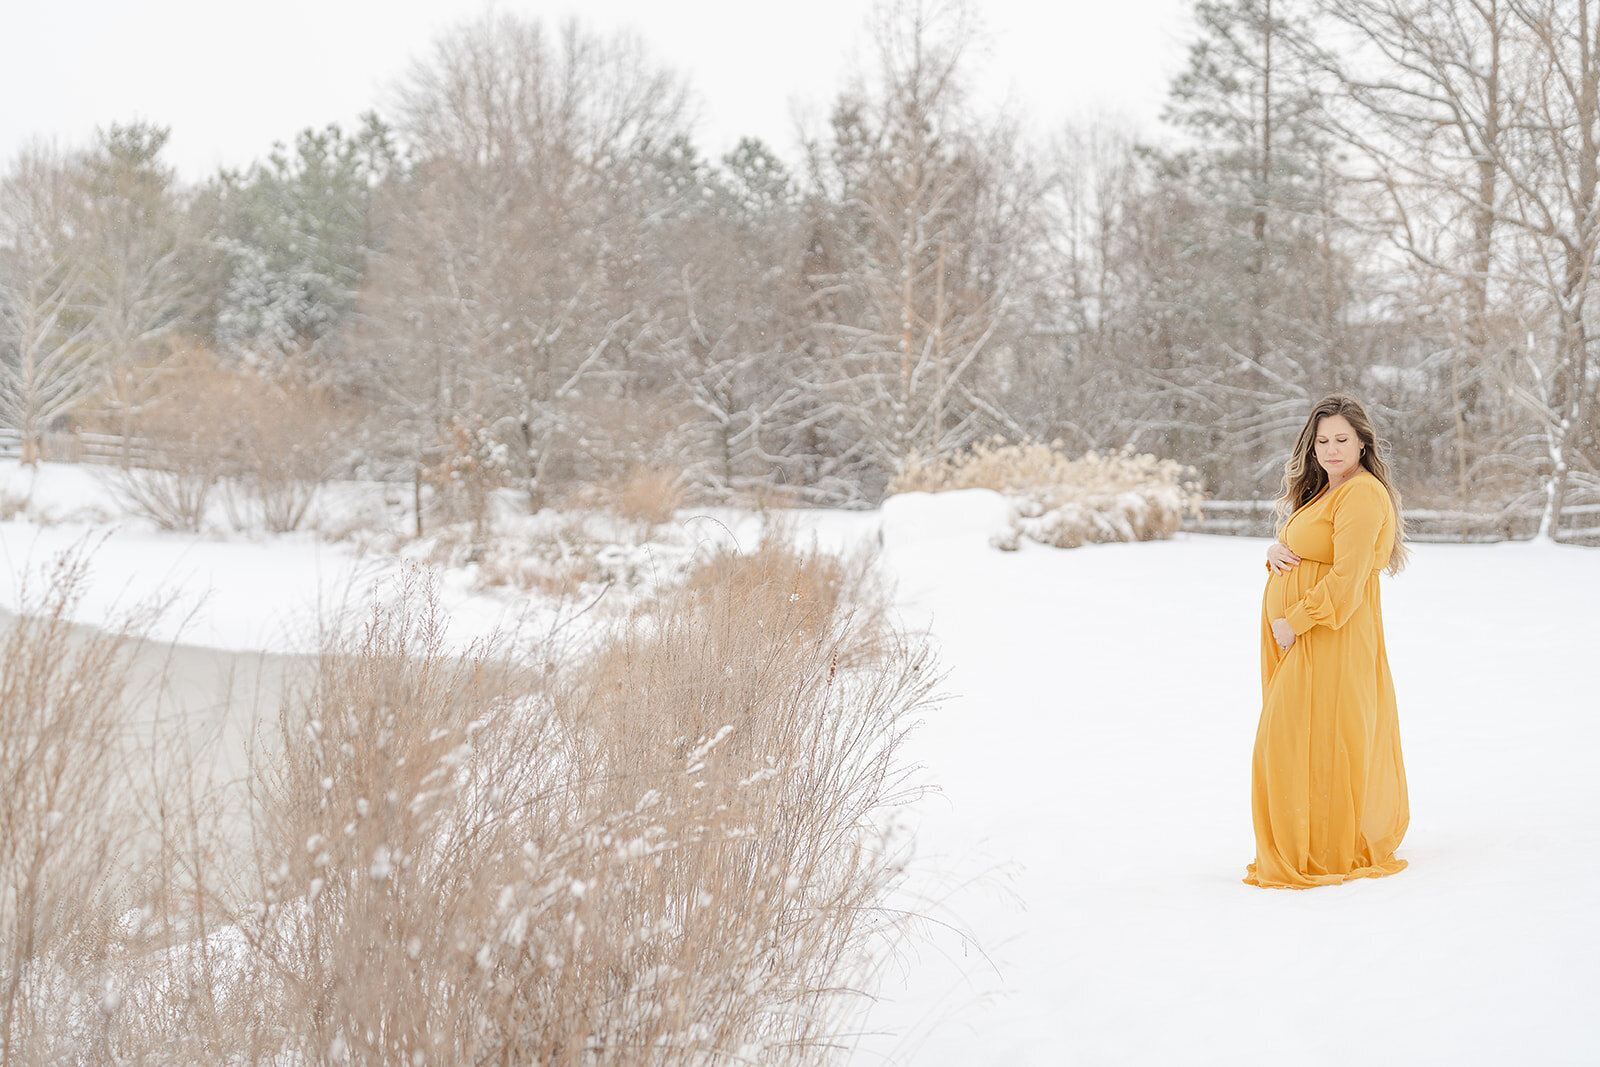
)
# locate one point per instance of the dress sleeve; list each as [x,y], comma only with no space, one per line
[1357,520]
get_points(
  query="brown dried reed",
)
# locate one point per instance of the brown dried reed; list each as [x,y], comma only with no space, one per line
[650,496]
[68,859]
[646,496]
[1061,501]
[667,850]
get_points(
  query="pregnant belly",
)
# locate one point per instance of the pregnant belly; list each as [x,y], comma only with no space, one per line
[1283,590]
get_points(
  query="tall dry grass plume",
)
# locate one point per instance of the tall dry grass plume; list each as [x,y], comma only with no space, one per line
[650,496]
[645,496]
[667,849]
[70,852]
[1064,501]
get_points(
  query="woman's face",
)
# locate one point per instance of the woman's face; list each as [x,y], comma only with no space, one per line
[1338,447]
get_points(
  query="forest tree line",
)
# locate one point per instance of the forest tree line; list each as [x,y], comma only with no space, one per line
[527,269]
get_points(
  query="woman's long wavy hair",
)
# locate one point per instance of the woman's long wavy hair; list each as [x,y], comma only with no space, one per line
[1304,478]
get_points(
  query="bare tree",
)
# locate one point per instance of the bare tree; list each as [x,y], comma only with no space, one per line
[509,293]
[1426,109]
[933,216]
[1553,168]
[1481,120]
[735,324]
[1095,381]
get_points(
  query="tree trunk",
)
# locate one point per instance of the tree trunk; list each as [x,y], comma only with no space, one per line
[1477,282]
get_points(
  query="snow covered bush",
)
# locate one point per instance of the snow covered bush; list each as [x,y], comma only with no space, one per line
[1065,502]
[13,503]
[557,554]
[617,533]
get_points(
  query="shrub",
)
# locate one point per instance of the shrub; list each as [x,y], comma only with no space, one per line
[659,851]
[646,496]
[269,440]
[470,465]
[558,559]
[182,450]
[650,496]
[13,503]
[284,446]
[1066,502]
[65,823]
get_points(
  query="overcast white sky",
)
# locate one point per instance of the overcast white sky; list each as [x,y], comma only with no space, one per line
[232,77]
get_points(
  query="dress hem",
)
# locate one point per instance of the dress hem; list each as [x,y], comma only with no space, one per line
[1312,881]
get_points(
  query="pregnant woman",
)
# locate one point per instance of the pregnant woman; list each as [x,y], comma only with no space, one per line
[1328,786]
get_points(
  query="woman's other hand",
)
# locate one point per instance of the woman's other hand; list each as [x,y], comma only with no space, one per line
[1281,559]
[1283,632]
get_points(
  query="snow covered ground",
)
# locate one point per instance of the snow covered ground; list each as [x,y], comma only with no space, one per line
[1080,864]
[242,591]
[1094,822]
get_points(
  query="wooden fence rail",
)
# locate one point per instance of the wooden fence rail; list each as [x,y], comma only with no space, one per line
[1253,518]
[79,448]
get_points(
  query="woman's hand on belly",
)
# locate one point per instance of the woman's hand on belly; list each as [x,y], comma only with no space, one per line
[1281,558]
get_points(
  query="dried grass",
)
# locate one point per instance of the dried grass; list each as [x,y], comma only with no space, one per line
[748,728]
[651,496]
[663,851]
[68,862]
[646,496]
[1065,502]
[470,465]
[13,504]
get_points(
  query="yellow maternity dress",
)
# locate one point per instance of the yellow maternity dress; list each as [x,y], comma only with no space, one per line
[1328,786]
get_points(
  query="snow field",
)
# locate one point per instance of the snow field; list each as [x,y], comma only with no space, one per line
[250,590]
[1093,822]
[1080,863]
